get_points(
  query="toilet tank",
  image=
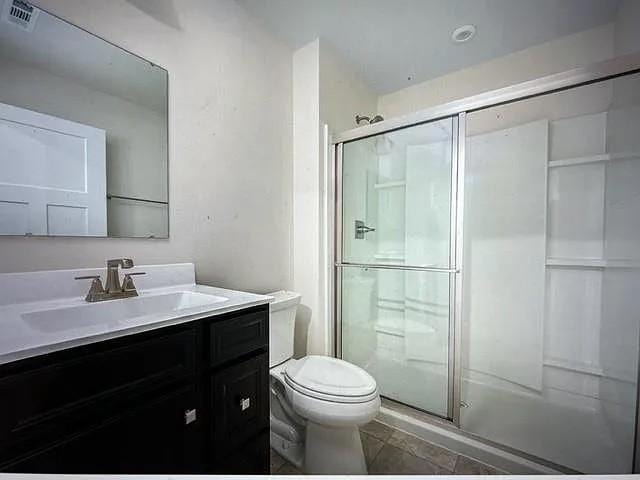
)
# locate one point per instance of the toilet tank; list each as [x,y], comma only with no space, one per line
[282,325]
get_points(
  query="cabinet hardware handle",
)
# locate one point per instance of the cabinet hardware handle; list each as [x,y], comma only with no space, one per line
[245,403]
[190,416]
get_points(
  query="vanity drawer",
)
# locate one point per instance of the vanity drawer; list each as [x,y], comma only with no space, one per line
[238,335]
[240,403]
[73,383]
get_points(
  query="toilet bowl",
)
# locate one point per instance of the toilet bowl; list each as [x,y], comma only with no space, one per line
[317,402]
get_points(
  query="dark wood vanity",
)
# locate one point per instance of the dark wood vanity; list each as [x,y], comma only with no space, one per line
[189,398]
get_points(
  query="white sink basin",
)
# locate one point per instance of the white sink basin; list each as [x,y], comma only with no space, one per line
[112,312]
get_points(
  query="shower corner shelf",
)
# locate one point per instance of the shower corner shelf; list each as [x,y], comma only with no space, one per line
[394,184]
[599,158]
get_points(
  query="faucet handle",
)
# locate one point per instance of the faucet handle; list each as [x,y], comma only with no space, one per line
[96,290]
[127,282]
[87,277]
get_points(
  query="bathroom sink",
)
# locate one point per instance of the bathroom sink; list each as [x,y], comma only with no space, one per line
[113,312]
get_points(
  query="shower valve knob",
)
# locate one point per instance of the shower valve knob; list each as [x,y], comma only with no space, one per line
[361,229]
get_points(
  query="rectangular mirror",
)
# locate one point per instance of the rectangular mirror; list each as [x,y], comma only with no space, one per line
[83,132]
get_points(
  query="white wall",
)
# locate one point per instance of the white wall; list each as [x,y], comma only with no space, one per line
[307,195]
[558,55]
[325,91]
[627,37]
[343,94]
[229,145]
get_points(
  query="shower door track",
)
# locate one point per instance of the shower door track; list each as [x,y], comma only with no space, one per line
[458,109]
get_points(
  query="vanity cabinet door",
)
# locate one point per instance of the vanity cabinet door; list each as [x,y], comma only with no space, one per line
[240,410]
[163,436]
[250,458]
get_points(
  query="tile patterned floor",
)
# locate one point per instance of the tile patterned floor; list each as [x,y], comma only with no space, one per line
[389,451]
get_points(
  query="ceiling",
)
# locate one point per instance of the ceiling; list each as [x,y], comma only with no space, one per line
[397,43]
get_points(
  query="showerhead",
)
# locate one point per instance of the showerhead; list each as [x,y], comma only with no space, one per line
[361,118]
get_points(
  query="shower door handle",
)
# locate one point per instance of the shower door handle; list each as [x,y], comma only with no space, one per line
[361,229]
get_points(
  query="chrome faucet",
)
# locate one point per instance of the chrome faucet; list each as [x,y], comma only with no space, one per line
[112,289]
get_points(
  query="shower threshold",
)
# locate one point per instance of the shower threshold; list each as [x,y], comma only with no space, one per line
[440,431]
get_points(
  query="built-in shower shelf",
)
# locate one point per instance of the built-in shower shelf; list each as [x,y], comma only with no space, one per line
[389,257]
[394,332]
[600,158]
[394,184]
[592,263]
[571,366]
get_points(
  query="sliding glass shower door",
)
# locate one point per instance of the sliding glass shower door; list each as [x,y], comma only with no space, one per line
[551,304]
[396,261]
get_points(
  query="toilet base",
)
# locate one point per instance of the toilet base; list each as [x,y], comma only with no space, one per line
[333,451]
[291,452]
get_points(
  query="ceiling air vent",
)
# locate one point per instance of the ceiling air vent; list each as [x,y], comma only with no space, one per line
[20,13]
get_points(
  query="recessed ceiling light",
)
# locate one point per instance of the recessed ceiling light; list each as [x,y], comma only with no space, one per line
[463,34]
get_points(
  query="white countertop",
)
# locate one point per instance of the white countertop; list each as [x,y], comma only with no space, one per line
[19,339]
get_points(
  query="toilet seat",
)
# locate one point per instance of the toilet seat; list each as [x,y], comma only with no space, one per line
[332,413]
[330,379]
[350,400]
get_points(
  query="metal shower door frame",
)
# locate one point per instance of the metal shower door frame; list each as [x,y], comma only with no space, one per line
[597,72]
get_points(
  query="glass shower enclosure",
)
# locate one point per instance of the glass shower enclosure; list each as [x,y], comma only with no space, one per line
[488,265]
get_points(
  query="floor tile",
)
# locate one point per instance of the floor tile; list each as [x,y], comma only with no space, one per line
[394,461]
[371,446]
[428,451]
[276,461]
[378,430]
[288,469]
[468,466]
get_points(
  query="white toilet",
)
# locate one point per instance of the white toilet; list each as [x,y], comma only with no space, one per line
[317,402]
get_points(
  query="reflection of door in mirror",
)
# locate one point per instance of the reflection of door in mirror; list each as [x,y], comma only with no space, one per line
[52,175]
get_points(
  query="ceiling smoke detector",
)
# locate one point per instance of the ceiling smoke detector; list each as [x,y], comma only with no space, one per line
[463,34]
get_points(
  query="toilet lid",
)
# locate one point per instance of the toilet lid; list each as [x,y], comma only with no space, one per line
[330,377]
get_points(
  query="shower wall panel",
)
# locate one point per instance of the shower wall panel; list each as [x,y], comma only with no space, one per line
[505,225]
